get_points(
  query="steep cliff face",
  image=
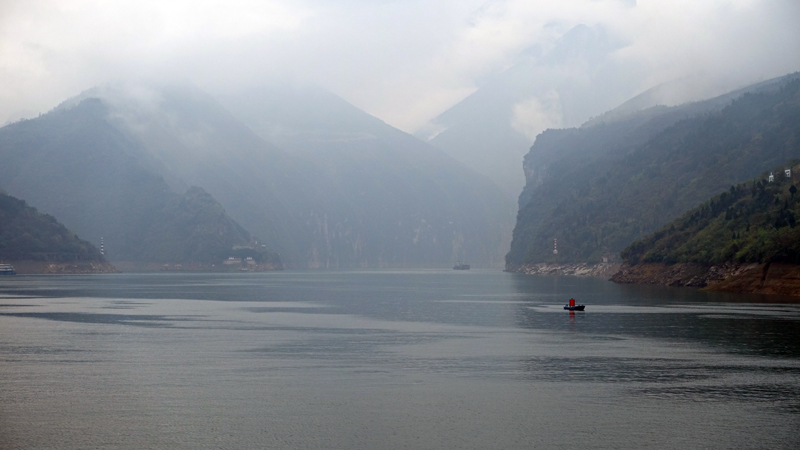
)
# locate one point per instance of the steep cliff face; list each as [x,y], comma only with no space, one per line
[600,187]
[560,153]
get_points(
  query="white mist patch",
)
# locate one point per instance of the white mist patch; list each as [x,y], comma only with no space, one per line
[430,130]
[536,114]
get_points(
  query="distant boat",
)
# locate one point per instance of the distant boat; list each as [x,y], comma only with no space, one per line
[7,269]
[460,266]
[573,307]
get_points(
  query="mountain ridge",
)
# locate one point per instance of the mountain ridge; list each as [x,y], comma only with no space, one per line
[605,186]
[391,201]
[74,164]
[369,162]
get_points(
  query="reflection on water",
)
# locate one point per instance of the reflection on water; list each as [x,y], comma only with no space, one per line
[391,359]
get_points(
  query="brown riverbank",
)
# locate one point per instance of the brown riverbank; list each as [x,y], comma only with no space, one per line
[774,278]
[72,267]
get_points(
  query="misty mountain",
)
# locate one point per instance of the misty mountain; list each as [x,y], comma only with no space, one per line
[27,234]
[598,188]
[493,128]
[686,93]
[188,139]
[616,132]
[73,163]
[365,203]
[386,191]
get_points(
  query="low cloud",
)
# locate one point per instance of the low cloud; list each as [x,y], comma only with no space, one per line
[404,61]
[535,115]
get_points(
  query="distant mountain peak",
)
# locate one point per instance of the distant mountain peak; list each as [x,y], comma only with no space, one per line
[493,128]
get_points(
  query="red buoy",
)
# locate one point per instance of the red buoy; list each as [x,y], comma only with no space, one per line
[572,302]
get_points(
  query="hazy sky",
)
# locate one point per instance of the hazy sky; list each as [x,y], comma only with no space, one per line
[404,61]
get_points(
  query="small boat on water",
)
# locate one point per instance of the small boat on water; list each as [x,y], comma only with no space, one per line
[460,266]
[573,307]
[7,269]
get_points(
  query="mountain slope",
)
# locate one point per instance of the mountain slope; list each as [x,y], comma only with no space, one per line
[26,234]
[194,227]
[187,138]
[746,239]
[113,158]
[395,199]
[753,222]
[75,164]
[599,188]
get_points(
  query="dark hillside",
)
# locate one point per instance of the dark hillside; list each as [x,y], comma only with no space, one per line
[26,234]
[74,164]
[608,185]
[753,222]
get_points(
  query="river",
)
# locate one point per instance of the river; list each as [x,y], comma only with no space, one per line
[391,359]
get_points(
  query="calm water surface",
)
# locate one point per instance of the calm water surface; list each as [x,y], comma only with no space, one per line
[391,359]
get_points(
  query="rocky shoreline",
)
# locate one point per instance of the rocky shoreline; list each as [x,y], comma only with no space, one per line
[770,278]
[603,270]
[33,267]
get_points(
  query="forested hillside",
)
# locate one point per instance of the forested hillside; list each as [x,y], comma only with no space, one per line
[599,188]
[26,234]
[753,222]
[194,227]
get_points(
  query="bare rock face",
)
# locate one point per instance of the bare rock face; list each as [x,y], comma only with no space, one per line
[603,270]
[770,278]
[775,278]
[665,275]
